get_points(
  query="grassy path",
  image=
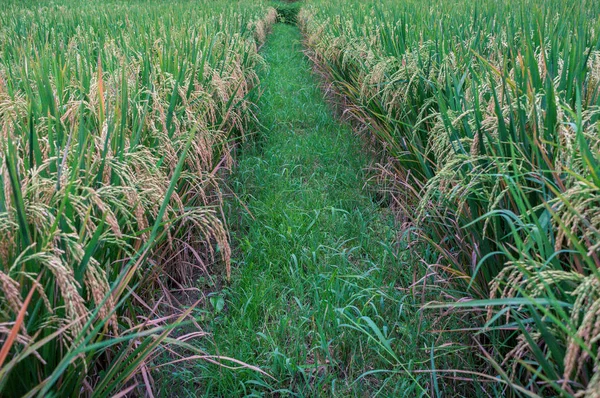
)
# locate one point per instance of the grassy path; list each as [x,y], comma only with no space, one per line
[312,256]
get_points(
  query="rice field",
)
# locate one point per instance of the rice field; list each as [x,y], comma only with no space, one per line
[179,217]
[116,121]
[487,114]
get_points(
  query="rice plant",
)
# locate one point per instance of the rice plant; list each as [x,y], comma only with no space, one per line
[115,121]
[488,116]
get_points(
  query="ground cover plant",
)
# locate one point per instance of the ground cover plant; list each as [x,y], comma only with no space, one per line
[314,259]
[488,114]
[115,119]
[320,296]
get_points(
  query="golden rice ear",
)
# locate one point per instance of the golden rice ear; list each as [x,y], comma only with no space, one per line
[63,275]
[588,332]
[591,95]
[8,230]
[12,292]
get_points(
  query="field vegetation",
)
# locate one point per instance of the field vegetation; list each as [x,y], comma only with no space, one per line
[314,254]
[116,119]
[414,206]
[487,116]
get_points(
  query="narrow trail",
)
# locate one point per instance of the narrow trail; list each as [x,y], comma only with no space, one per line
[312,252]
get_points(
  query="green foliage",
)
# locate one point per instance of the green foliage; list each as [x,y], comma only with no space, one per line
[320,295]
[287,11]
[490,111]
[114,120]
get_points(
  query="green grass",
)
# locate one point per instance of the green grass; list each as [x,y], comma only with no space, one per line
[314,259]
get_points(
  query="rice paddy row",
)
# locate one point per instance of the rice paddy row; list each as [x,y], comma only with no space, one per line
[487,115]
[115,121]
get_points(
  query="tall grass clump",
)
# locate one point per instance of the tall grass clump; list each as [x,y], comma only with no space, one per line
[115,119]
[488,117]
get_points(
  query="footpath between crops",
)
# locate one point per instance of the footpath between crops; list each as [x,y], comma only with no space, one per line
[313,300]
